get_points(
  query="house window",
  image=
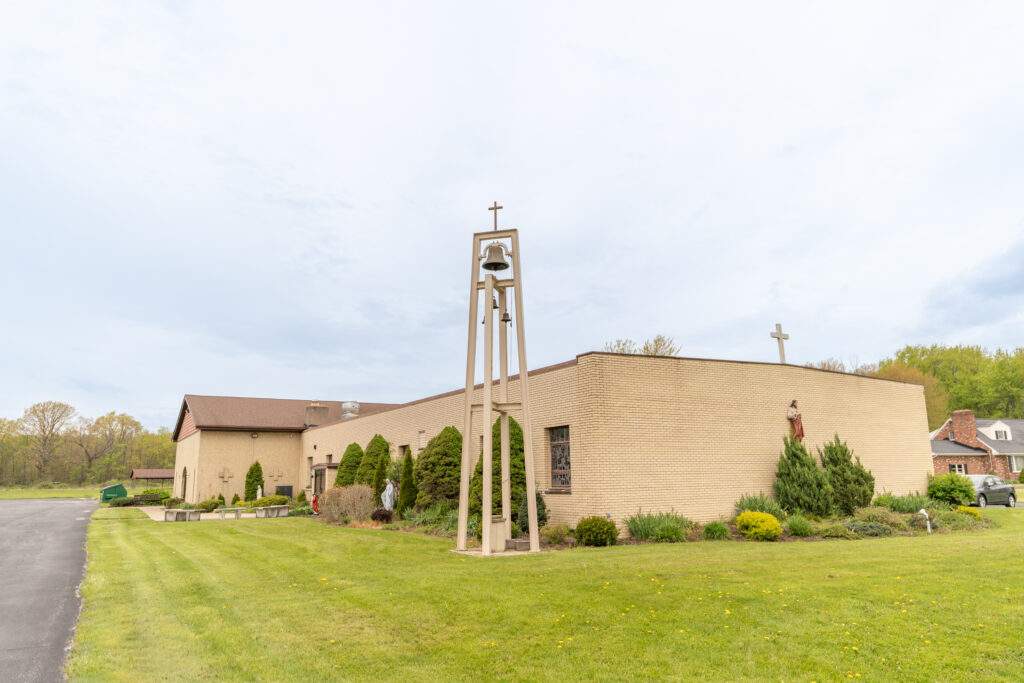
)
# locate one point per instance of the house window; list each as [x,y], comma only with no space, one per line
[402,450]
[309,466]
[330,458]
[1016,463]
[958,467]
[1001,435]
[421,440]
[561,469]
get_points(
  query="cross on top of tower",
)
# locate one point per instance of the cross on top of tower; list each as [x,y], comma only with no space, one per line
[496,207]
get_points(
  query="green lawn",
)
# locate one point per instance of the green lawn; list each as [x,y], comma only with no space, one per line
[12,492]
[295,599]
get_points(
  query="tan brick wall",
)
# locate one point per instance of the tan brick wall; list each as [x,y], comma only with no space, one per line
[553,403]
[693,435]
[277,452]
[186,457]
[688,435]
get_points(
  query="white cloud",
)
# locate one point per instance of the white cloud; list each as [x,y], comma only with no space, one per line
[240,198]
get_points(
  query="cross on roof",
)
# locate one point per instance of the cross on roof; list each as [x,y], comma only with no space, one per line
[496,207]
[781,337]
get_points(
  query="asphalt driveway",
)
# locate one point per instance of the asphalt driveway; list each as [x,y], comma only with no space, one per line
[42,559]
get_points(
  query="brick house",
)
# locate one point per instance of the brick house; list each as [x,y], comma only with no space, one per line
[612,433]
[967,445]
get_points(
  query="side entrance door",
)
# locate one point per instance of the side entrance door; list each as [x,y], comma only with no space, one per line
[318,481]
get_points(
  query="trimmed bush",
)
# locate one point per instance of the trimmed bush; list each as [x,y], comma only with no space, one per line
[235,499]
[121,502]
[554,534]
[800,485]
[910,503]
[800,526]
[659,527]
[839,531]
[852,484]
[971,512]
[301,499]
[438,469]
[715,531]
[596,531]
[253,480]
[407,486]
[381,515]
[863,528]
[517,472]
[380,476]
[376,450]
[345,503]
[172,503]
[758,526]
[760,503]
[163,493]
[350,460]
[951,488]
[266,501]
[520,515]
[882,515]
[220,500]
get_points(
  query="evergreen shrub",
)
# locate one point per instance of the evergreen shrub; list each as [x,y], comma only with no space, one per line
[253,480]
[266,501]
[121,502]
[852,484]
[839,531]
[235,499]
[800,485]
[172,503]
[376,450]
[438,469]
[865,528]
[596,531]
[407,486]
[883,515]
[349,465]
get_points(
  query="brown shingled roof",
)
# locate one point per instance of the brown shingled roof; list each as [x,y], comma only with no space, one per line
[152,473]
[239,413]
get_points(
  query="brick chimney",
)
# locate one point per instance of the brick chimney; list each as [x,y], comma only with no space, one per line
[316,414]
[963,429]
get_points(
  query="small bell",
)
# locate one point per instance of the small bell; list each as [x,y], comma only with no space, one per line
[505,317]
[494,257]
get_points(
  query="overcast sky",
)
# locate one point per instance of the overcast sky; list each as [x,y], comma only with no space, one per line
[277,199]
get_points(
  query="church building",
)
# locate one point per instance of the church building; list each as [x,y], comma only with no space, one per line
[612,434]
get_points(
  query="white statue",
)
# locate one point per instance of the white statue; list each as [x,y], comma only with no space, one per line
[388,497]
[259,492]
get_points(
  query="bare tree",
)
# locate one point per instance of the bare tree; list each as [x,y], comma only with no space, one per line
[45,423]
[833,364]
[622,346]
[658,346]
[102,436]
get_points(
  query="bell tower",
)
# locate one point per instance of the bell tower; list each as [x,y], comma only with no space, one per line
[489,261]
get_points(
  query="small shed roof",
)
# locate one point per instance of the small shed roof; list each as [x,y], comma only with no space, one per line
[152,473]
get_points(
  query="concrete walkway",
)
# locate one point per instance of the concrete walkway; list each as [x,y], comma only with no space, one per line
[42,561]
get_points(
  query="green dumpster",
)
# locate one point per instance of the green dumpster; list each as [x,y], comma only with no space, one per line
[113,491]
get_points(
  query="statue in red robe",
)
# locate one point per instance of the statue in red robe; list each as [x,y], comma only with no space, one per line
[795,421]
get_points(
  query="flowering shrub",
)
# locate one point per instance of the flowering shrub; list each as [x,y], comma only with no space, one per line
[970,512]
[759,526]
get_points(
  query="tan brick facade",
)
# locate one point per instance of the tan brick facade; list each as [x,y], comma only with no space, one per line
[689,435]
[209,454]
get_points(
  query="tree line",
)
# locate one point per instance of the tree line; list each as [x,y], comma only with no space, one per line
[51,442]
[954,378]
